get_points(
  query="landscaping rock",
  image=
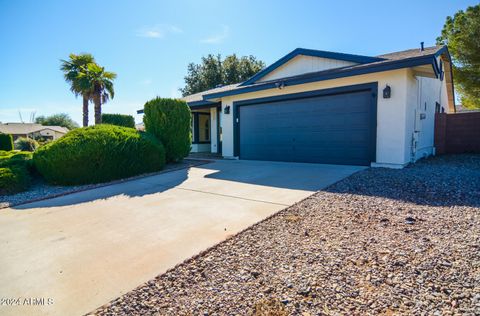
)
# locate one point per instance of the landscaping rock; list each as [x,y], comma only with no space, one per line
[357,259]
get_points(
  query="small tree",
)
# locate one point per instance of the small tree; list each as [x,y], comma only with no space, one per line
[6,142]
[94,78]
[61,119]
[462,33]
[212,71]
[71,69]
[26,144]
[170,121]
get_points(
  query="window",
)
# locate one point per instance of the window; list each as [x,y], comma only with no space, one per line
[201,127]
[207,129]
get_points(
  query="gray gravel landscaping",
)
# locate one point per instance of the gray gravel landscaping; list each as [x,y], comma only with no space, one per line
[379,242]
[41,190]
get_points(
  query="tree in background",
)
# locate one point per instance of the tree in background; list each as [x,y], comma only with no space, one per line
[214,71]
[71,69]
[61,119]
[462,35]
[99,82]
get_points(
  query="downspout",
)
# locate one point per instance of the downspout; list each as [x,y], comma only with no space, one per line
[413,141]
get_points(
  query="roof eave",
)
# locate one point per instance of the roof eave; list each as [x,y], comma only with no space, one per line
[398,64]
[310,52]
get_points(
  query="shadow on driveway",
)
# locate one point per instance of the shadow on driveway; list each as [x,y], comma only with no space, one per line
[133,188]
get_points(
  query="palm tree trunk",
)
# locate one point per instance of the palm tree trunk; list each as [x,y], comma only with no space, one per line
[98,109]
[85,111]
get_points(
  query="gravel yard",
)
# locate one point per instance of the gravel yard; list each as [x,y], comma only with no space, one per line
[42,190]
[379,242]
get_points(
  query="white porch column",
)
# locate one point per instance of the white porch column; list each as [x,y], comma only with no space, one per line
[213,130]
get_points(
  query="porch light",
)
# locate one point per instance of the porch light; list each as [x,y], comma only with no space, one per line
[387,92]
[226,110]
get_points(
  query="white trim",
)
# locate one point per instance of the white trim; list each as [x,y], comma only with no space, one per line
[388,165]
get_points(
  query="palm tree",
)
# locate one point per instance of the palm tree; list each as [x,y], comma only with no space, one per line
[94,78]
[71,69]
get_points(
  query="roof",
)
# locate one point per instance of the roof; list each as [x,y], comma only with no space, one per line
[311,52]
[28,128]
[366,64]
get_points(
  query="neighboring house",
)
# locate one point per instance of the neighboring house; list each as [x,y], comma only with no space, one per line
[325,107]
[32,130]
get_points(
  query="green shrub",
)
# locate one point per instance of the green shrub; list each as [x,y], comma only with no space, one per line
[15,171]
[14,158]
[98,154]
[170,121]
[26,144]
[118,119]
[14,179]
[6,142]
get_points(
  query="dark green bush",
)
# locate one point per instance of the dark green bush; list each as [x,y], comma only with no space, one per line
[15,171]
[14,179]
[6,142]
[26,144]
[170,121]
[98,154]
[118,119]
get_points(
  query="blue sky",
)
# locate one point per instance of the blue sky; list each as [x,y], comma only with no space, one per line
[150,43]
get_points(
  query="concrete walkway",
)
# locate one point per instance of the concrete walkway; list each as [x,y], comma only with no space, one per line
[69,255]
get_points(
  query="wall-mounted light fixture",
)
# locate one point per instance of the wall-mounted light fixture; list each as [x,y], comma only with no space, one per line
[387,92]
[280,85]
[226,110]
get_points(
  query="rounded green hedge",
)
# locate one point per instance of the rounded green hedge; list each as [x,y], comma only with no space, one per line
[97,154]
[170,121]
[14,179]
[118,119]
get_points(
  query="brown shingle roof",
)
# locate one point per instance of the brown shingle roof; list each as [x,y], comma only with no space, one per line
[411,53]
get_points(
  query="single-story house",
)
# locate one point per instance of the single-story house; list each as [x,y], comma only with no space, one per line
[325,107]
[32,130]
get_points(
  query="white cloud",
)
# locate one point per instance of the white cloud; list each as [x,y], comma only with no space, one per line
[217,38]
[158,31]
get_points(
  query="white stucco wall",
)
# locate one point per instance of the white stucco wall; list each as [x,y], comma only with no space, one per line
[302,64]
[391,113]
[395,116]
[423,94]
[49,133]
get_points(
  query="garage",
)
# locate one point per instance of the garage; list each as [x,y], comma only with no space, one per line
[331,127]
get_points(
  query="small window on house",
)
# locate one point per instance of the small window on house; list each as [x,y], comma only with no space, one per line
[203,128]
[207,129]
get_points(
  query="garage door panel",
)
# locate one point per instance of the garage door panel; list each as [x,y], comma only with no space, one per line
[327,129]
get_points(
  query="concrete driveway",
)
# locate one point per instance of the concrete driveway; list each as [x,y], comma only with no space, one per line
[69,255]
